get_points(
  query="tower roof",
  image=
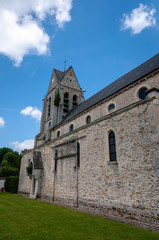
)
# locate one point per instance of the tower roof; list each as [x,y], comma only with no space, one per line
[59,74]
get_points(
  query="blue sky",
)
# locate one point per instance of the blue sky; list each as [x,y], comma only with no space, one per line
[101,39]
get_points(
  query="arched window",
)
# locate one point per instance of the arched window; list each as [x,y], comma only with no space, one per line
[29,169]
[142,93]
[58,133]
[49,106]
[66,102]
[112,146]
[78,154]
[111,107]
[88,119]
[29,161]
[74,100]
[71,127]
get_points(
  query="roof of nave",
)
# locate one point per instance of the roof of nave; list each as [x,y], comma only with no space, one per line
[131,77]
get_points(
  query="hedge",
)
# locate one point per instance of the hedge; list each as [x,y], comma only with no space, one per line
[29,169]
[14,184]
[7,184]
[11,184]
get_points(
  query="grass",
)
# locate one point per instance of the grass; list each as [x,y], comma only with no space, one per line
[26,219]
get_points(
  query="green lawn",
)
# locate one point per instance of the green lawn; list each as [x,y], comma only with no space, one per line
[22,219]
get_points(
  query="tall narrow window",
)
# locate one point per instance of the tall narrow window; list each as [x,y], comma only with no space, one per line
[71,127]
[49,106]
[74,101]
[55,160]
[88,119]
[58,133]
[78,154]
[112,146]
[66,102]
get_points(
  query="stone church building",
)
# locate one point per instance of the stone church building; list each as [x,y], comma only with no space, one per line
[101,152]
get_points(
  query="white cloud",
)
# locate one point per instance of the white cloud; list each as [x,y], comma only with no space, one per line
[34,112]
[139,19]
[21,30]
[2,122]
[26,144]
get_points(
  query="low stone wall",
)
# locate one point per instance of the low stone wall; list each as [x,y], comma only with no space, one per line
[24,194]
[136,217]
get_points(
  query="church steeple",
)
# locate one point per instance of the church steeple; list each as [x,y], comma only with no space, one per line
[66,86]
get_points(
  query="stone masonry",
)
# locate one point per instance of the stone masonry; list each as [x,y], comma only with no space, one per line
[128,186]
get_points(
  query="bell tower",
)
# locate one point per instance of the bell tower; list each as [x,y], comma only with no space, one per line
[64,93]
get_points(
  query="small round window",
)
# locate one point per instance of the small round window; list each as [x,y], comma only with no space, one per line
[88,119]
[143,93]
[111,107]
[71,127]
[58,133]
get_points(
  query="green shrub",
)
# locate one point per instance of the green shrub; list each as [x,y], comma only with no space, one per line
[14,184]
[29,169]
[7,184]
[11,184]
[57,98]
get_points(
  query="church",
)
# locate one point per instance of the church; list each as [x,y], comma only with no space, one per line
[102,152]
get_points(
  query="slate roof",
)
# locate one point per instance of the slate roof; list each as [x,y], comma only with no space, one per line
[60,75]
[131,77]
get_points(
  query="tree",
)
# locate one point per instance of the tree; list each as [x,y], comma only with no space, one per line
[18,161]
[10,162]
[11,159]
[3,152]
[4,163]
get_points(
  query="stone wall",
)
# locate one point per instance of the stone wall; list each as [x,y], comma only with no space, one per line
[129,185]
[24,179]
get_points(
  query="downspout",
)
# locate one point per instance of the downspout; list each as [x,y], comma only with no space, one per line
[76,142]
[53,197]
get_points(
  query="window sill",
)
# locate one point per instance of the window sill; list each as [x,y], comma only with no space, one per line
[112,163]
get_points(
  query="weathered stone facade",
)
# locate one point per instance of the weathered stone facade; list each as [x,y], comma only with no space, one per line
[128,186]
